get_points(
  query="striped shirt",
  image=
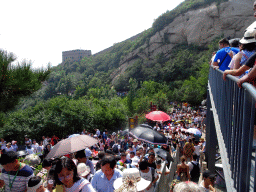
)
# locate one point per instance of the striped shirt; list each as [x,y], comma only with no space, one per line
[21,180]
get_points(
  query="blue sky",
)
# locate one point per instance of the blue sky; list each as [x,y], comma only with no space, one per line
[38,31]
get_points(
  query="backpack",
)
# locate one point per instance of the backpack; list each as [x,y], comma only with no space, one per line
[46,150]
[195,172]
[115,148]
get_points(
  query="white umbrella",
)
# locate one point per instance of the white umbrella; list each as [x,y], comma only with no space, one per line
[71,145]
[194,131]
[74,135]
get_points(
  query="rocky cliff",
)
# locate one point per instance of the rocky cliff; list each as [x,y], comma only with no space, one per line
[194,27]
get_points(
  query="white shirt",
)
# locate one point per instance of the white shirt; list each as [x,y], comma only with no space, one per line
[135,160]
[148,176]
[98,132]
[197,150]
[191,165]
[45,142]
[34,147]
[201,185]
[9,149]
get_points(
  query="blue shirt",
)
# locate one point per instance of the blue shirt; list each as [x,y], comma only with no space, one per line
[101,184]
[224,58]
[90,164]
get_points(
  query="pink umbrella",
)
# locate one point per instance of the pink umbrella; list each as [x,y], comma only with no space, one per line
[71,145]
[158,116]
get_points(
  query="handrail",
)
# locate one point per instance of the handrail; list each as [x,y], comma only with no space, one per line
[163,182]
[251,89]
[230,114]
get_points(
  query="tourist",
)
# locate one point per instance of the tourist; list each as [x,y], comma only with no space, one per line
[123,162]
[54,140]
[14,146]
[81,158]
[101,154]
[9,147]
[28,141]
[34,146]
[151,160]
[183,170]
[103,179]
[222,58]
[3,143]
[45,141]
[148,173]
[35,184]
[194,169]
[84,171]
[208,181]
[15,175]
[66,175]
[188,150]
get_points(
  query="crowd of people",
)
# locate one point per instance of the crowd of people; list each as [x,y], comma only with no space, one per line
[116,155]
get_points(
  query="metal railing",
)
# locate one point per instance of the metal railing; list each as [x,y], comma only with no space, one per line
[230,124]
[163,182]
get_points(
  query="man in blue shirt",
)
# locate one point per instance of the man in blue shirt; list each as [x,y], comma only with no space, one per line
[81,158]
[222,58]
[103,179]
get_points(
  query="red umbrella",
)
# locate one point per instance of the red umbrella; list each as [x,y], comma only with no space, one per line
[158,116]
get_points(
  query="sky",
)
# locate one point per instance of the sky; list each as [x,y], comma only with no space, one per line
[38,31]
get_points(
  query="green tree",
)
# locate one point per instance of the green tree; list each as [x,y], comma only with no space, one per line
[131,95]
[17,81]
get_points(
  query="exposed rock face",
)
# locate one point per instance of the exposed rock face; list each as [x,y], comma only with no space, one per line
[198,27]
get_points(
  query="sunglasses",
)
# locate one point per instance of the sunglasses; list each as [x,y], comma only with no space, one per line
[65,177]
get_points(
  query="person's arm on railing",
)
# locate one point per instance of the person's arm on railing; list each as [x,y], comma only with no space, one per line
[237,60]
[235,72]
[250,76]
[215,64]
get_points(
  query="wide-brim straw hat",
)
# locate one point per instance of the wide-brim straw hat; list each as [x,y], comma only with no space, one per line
[131,174]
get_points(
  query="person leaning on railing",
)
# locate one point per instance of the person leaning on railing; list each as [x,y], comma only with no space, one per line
[248,41]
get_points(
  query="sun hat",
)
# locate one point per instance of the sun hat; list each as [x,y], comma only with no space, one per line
[32,159]
[248,37]
[34,183]
[82,169]
[131,181]
[135,140]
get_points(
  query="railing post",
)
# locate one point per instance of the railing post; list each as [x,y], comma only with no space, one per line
[211,138]
[246,143]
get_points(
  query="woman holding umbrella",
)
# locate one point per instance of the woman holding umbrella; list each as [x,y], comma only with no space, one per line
[66,175]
